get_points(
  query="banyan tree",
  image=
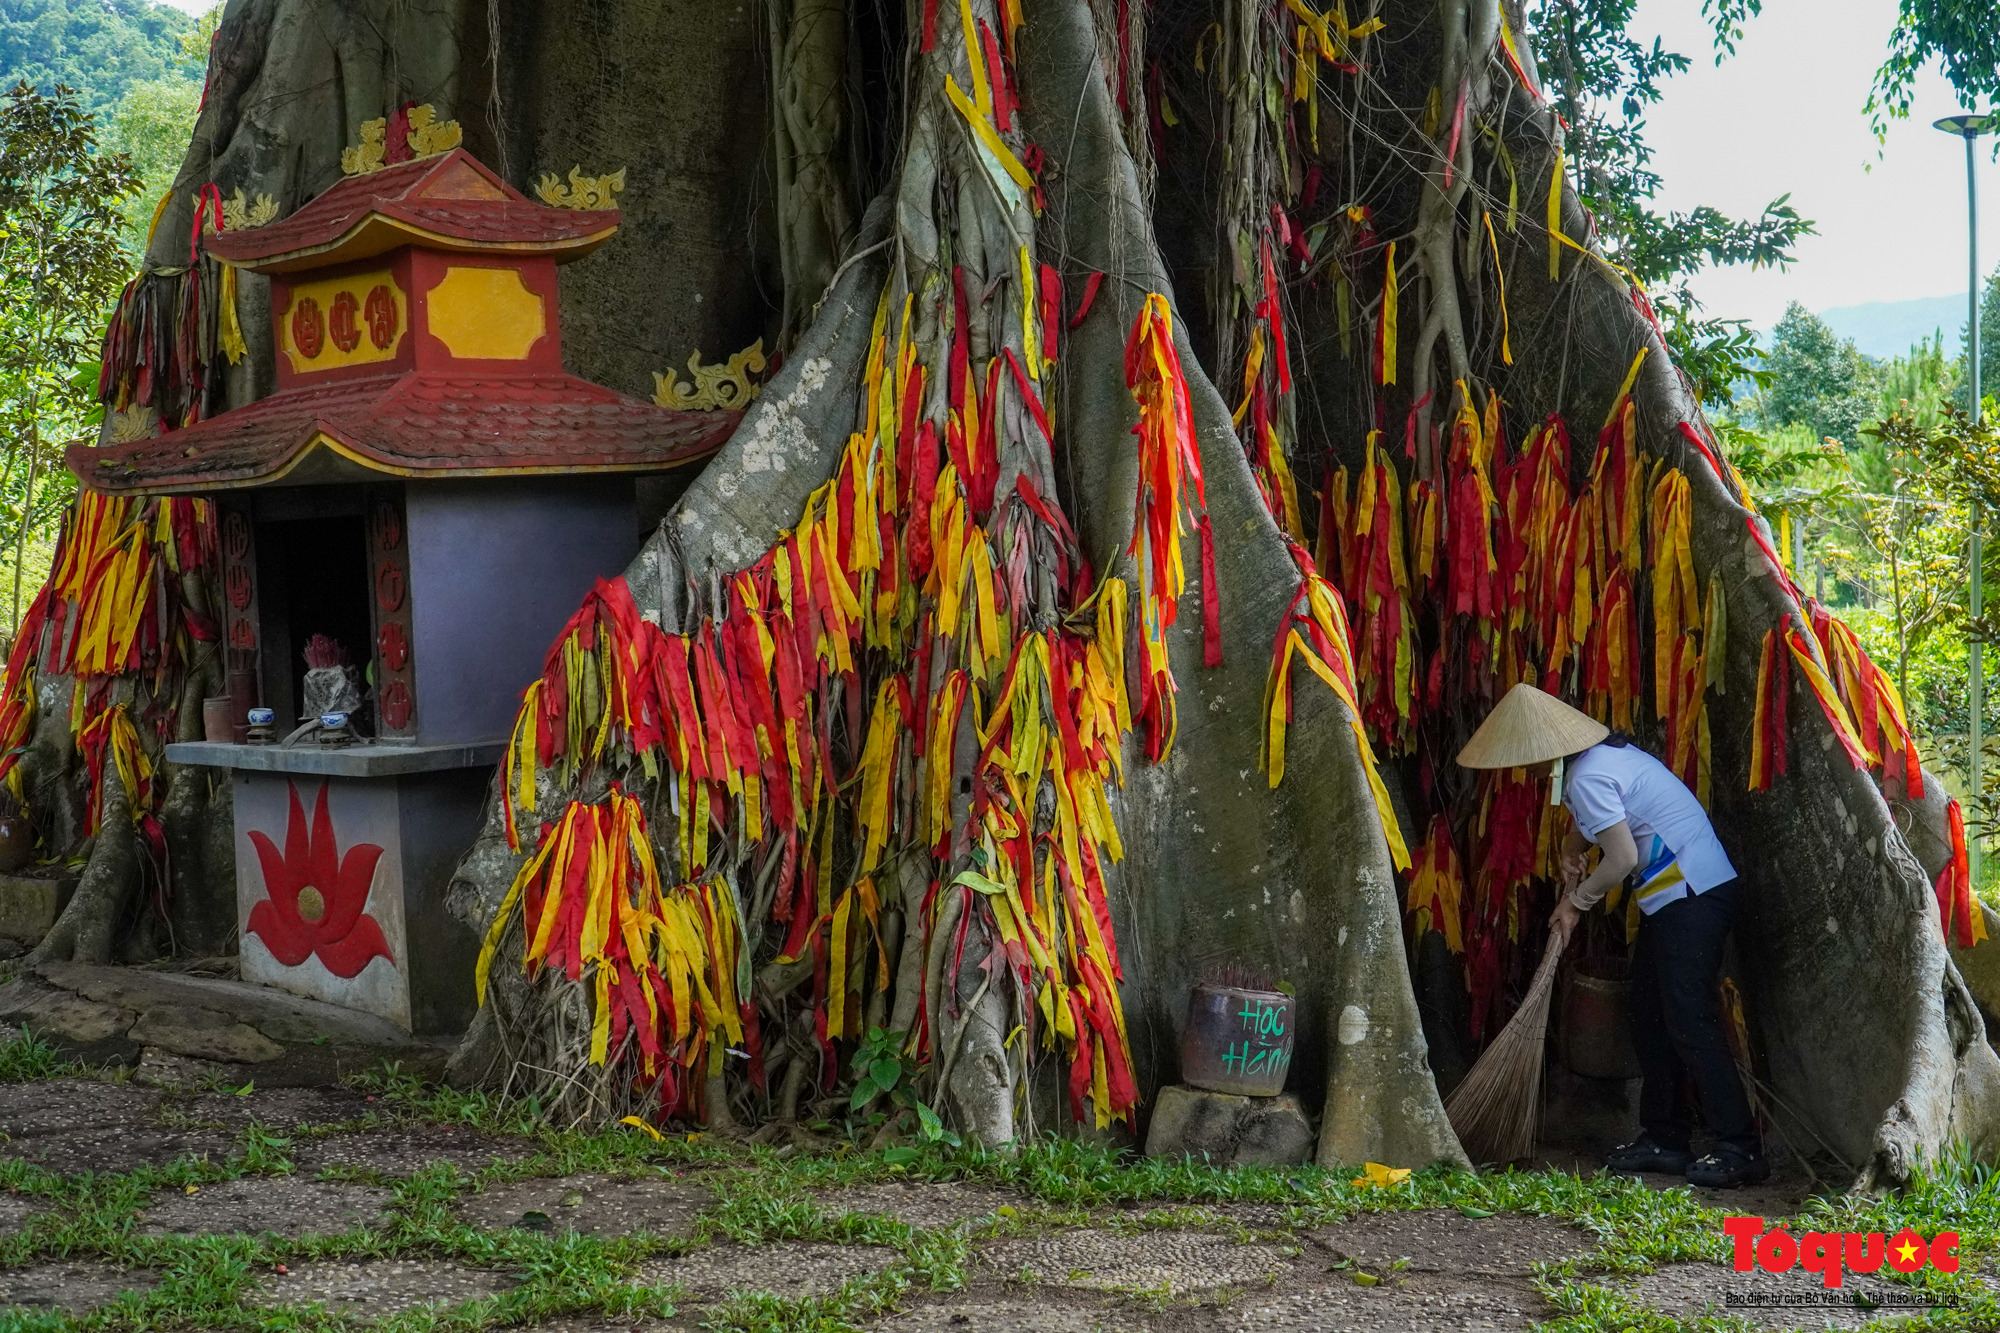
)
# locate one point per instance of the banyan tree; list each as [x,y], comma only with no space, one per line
[1185,420]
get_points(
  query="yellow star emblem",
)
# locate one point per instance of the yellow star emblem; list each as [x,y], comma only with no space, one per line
[1906,1250]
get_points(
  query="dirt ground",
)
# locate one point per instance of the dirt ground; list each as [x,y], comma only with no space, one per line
[337,1204]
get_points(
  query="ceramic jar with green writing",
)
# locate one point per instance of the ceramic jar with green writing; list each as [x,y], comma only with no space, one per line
[1237,1040]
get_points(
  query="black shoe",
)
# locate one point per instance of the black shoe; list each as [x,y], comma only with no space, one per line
[1645,1154]
[1729,1166]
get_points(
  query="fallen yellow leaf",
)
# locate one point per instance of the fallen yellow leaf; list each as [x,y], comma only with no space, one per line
[1374,1175]
[636,1123]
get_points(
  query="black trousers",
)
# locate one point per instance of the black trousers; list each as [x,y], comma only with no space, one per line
[1677,1023]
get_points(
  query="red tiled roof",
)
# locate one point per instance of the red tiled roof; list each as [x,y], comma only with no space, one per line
[413,424]
[448,202]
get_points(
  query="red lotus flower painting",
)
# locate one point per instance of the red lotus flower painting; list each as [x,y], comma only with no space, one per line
[316,895]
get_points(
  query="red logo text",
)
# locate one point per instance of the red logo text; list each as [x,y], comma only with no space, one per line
[1829,1252]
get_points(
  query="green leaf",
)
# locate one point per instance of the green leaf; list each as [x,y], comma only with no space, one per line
[864,1092]
[927,1120]
[887,1072]
[972,879]
[1470,1211]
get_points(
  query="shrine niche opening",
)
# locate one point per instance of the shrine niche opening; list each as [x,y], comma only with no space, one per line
[313,566]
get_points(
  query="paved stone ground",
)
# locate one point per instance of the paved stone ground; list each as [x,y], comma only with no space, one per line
[335,1208]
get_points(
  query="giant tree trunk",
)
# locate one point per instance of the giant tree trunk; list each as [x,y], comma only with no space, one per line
[1875,1051]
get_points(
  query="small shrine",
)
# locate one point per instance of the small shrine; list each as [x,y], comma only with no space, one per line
[405,525]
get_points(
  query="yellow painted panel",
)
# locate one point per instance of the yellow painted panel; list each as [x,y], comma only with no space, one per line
[348,321]
[486,314]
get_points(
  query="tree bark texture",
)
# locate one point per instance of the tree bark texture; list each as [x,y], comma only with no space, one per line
[1871,1042]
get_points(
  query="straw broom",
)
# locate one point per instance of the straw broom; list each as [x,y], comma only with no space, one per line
[1496,1110]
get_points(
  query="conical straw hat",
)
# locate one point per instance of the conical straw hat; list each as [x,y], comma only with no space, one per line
[1529,727]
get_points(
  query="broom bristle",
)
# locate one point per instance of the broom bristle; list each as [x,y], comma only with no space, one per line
[1496,1110]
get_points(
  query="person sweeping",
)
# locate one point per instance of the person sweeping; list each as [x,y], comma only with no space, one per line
[1653,836]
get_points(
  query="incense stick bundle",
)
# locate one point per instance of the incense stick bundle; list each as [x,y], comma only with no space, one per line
[1497,1110]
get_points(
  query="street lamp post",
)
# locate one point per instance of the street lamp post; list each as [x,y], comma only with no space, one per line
[1969,128]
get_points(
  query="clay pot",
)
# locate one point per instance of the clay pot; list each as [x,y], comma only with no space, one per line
[1237,1040]
[17,842]
[217,724]
[1597,1020]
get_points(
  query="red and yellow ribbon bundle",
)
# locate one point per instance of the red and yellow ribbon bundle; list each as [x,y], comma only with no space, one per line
[882,683]
[1959,915]
[112,607]
[1267,385]
[1168,459]
[1437,884]
[1313,631]
[662,962]
[1375,576]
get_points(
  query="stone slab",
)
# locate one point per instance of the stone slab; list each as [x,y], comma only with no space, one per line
[30,904]
[1444,1240]
[354,761]
[1423,1304]
[403,1152]
[279,1015]
[93,1013]
[81,1028]
[926,1204]
[254,1205]
[791,1270]
[73,1288]
[373,1289]
[279,1108]
[1176,1263]
[592,1205]
[969,1314]
[1228,1130]
[204,1034]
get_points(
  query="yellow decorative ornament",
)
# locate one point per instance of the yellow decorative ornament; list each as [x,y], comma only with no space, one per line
[723,385]
[134,423]
[239,214]
[584,192]
[365,156]
[428,137]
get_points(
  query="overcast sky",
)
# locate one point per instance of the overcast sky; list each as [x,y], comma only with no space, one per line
[1784,114]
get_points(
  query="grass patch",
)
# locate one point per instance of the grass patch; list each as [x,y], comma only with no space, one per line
[765,1197]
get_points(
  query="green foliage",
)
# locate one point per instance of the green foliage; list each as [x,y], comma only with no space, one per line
[1602,80]
[101,48]
[1962,37]
[1816,379]
[26,1057]
[62,263]
[1784,460]
[1920,384]
[1989,347]
[881,1069]
[151,126]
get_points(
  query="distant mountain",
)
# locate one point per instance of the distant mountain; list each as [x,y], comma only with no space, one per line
[1890,328]
[98,47]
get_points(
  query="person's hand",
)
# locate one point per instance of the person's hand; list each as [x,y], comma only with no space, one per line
[1575,866]
[1565,917]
